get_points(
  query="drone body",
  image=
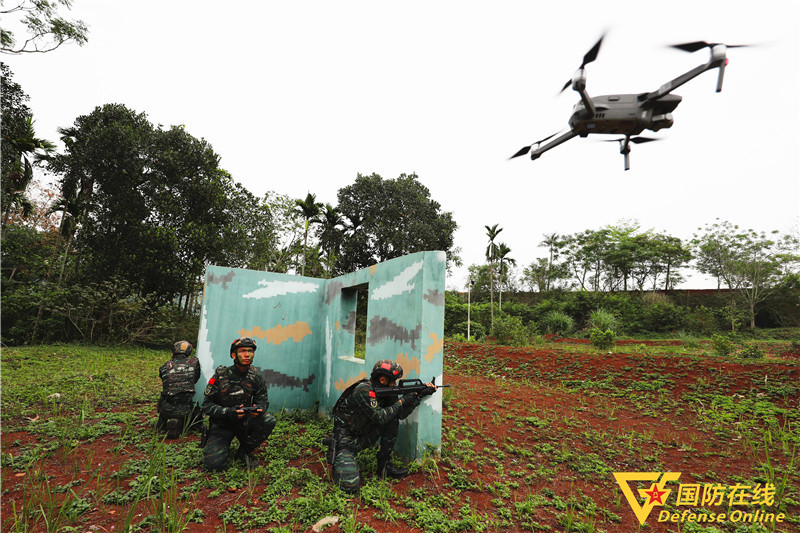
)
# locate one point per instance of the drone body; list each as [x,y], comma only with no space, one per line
[627,114]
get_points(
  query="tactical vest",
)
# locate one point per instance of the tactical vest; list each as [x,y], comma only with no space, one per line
[348,417]
[235,393]
[179,376]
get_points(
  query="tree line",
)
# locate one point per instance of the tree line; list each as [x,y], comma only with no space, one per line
[752,266]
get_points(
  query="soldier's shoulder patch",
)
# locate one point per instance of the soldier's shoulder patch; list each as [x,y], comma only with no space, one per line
[372,394]
[373,403]
[209,388]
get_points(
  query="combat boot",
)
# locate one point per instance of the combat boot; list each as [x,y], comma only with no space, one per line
[173,428]
[387,469]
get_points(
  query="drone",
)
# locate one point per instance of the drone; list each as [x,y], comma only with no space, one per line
[628,114]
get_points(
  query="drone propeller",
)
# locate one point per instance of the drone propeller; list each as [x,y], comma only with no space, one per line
[634,140]
[590,56]
[699,45]
[527,149]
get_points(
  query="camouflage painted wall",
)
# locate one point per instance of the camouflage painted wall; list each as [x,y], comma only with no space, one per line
[305,330]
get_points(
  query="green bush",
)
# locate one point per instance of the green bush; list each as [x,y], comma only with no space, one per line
[476,330]
[751,351]
[664,316]
[510,330]
[557,323]
[723,345]
[603,320]
[701,320]
[602,340]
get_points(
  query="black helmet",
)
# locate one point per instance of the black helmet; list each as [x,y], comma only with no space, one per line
[243,342]
[386,367]
[182,348]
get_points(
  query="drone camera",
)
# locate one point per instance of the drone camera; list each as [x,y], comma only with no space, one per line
[661,121]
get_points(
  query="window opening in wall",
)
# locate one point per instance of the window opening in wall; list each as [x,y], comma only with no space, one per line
[362,303]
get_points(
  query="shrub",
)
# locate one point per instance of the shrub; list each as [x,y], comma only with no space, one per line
[751,351]
[664,316]
[511,331]
[688,340]
[722,345]
[603,340]
[603,320]
[701,320]
[476,330]
[557,323]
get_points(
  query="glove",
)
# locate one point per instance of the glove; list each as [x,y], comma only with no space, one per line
[411,400]
[428,391]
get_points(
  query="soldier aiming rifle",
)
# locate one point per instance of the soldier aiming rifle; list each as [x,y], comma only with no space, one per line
[369,412]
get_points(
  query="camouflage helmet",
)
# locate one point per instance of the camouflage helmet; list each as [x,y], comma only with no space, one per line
[243,342]
[386,367]
[182,348]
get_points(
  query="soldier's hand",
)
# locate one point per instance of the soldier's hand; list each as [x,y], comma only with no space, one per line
[412,399]
[240,412]
[259,412]
[431,389]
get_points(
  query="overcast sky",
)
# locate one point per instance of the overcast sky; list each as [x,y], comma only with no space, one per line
[302,96]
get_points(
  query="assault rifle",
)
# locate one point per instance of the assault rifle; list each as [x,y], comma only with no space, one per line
[405,386]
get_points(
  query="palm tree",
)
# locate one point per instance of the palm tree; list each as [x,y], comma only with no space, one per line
[28,146]
[503,262]
[551,242]
[330,232]
[491,254]
[309,209]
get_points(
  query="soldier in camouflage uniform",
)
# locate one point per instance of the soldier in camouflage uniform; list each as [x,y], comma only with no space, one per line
[228,391]
[361,419]
[176,406]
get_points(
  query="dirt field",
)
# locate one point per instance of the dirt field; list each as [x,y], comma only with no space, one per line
[532,438]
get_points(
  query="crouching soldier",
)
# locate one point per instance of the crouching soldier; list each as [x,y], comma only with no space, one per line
[176,406]
[236,404]
[361,419]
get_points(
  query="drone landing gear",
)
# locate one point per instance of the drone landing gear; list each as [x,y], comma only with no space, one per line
[625,146]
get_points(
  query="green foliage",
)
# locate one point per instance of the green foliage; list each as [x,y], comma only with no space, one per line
[722,345]
[510,330]
[46,28]
[391,218]
[106,312]
[476,330]
[557,323]
[603,340]
[603,320]
[663,316]
[751,351]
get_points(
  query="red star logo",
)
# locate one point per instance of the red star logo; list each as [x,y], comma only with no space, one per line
[655,495]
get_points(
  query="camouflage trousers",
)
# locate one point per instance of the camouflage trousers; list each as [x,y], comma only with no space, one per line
[184,409]
[250,432]
[345,465]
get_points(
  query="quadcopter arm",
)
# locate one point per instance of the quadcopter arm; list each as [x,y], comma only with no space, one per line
[718,60]
[535,154]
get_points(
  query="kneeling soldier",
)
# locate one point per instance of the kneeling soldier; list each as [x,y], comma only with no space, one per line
[361,419]
[236,404]
[176,406]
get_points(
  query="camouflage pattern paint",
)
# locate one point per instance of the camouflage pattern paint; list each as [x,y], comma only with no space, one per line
[305,330]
